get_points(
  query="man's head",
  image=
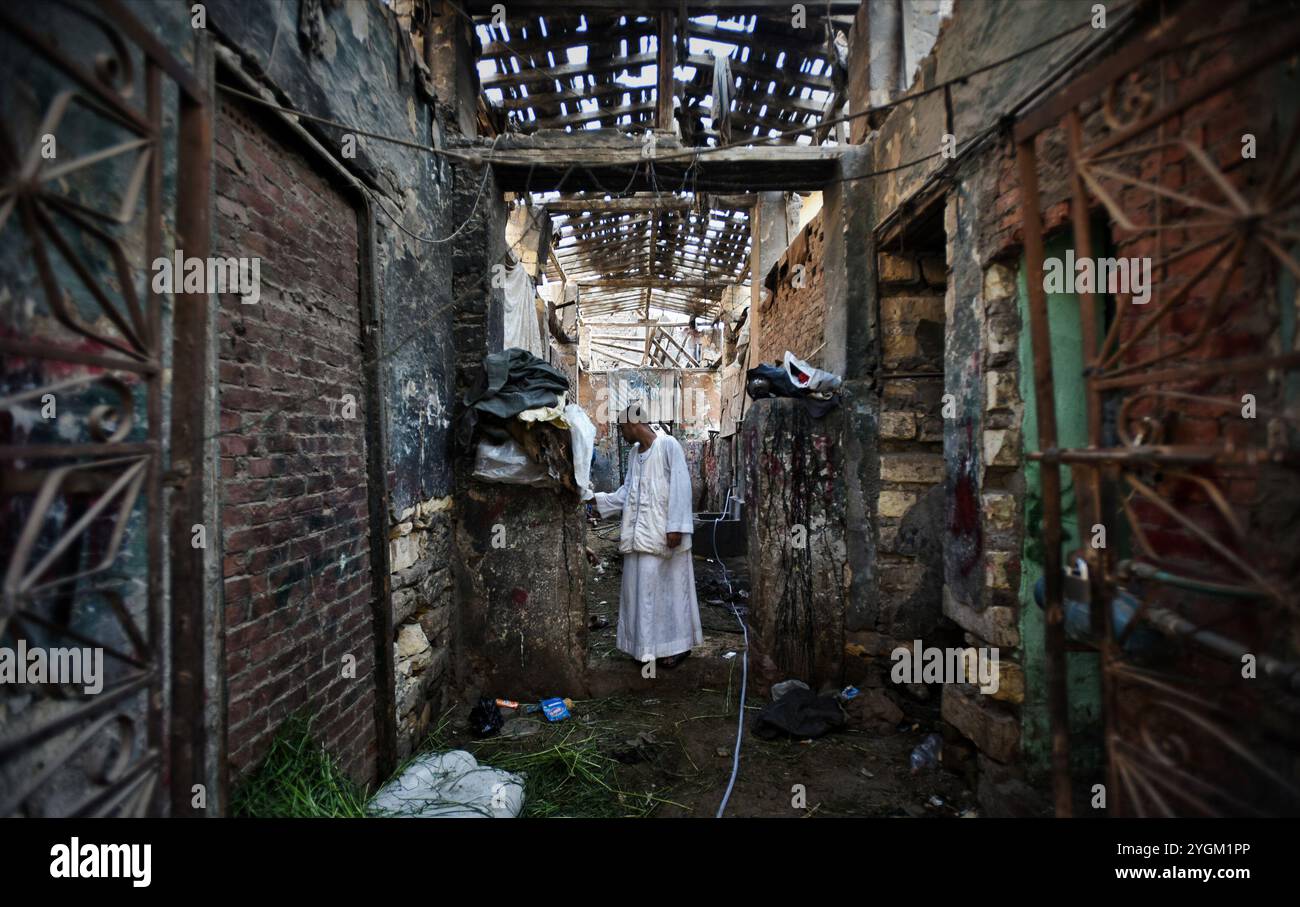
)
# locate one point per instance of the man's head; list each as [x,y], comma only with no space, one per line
[634,424]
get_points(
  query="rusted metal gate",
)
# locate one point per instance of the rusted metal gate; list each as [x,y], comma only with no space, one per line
[86,154]
[1201,718]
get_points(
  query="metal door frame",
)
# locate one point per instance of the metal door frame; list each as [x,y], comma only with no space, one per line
[1140,778]
[137,783]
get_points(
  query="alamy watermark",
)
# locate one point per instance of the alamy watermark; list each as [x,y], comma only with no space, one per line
[1131,276]
[70,666]
[179,274]
[75,860]
[930,664]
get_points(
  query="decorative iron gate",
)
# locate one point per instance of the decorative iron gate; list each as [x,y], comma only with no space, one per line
[1197,620]
[84,163]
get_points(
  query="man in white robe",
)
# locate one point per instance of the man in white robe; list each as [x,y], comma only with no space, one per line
[658,615]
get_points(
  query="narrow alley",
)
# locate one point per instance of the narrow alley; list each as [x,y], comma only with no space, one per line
[650,409]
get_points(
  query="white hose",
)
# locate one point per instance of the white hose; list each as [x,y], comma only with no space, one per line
[744,662]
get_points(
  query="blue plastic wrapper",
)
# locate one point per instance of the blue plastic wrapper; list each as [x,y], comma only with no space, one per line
[554,709]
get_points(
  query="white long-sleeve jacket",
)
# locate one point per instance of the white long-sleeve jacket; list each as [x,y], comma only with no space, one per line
[655,499]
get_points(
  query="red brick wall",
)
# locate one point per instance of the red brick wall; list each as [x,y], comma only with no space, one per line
[794,318]
[294,511]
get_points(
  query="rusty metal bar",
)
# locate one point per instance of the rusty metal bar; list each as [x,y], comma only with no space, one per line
[157,542]
[192,346]
[1050,476]
[1202,372]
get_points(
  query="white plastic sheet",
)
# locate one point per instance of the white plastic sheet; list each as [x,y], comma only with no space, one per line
[450,785]
[582,437]
[507,463]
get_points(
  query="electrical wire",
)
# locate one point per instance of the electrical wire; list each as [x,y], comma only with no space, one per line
[448,238]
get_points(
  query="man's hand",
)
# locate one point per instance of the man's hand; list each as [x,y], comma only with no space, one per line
[674,539]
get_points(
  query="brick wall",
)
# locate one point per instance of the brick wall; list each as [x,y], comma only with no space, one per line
[293,467]
[793,314]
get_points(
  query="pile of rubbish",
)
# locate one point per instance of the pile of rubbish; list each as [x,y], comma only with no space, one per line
[816,389]
[505,716]
[523,429]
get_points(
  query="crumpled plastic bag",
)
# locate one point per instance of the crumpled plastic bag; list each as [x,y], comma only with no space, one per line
[485,718]
[506,462]
[805,377]
[450,785]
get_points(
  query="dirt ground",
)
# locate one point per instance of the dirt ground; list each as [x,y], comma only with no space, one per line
[668,751]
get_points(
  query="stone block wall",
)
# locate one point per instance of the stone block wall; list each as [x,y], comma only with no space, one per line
[422,586]
[909,506]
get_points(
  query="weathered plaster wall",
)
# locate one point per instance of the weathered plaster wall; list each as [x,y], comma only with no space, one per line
[521,572]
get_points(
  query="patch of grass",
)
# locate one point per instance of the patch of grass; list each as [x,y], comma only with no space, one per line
[297,779]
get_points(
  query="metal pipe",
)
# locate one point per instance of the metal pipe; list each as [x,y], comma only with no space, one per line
[1050,477]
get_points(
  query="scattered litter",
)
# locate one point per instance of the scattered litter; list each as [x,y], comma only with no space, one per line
[968,813]
[638,749]
[785,686]
[450,785]
[729,655]
[928,754]
[723,752]
[485,718]
[556,709]
[598,622]
[507,704]
[867,773]
[849,693]
[520,727]
[936,801]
